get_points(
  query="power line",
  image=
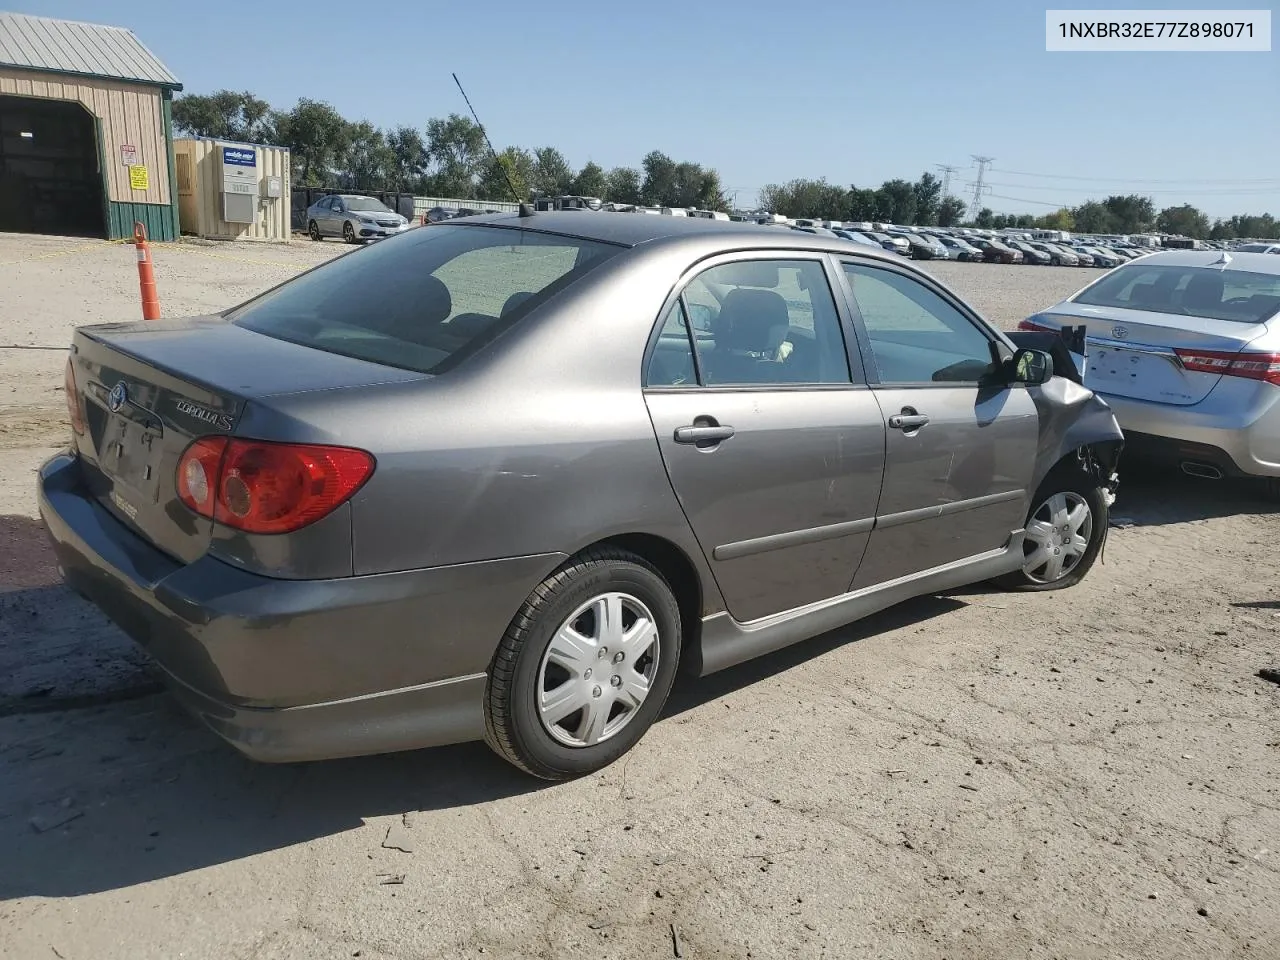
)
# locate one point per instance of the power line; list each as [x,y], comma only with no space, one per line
[1043,203]
[1066,176]
[1212,192]
[978,188]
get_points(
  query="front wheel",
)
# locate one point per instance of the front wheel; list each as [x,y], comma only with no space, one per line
[348,232]
[585,667]
[1271,487]
[1064,532]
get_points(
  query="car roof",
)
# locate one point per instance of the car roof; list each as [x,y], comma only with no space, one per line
[1253,262]
[632,230]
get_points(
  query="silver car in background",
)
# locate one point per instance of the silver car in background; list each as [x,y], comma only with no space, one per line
[354,218]
[1185,348]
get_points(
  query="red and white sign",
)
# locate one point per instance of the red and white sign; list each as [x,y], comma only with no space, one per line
[128,155]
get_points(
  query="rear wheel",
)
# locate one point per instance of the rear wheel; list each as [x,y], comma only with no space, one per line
[313,231]
[585,667]
[1064,532]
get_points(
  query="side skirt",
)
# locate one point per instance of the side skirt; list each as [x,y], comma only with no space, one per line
[726,642]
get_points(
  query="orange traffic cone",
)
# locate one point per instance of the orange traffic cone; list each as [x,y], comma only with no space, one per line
[146,275]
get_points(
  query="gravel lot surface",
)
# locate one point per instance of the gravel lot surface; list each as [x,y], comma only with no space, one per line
[1092,773]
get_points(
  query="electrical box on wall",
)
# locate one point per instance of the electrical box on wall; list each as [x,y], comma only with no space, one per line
[239,184]
[275,188]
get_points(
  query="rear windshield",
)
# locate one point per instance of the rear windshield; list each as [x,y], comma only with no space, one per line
[424,300]
[1238,295]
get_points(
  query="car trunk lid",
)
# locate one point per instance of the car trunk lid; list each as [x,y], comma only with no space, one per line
[148,390]
[1136,353]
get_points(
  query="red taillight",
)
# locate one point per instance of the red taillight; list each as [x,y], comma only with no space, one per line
[1251,366]
[197,476]
[1035,327]
[74,410]
[263,487]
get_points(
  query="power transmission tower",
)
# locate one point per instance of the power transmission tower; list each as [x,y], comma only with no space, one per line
[978,187]
[947,171]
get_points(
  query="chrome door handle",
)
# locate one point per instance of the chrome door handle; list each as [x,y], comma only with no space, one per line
[701,435]
[907,421]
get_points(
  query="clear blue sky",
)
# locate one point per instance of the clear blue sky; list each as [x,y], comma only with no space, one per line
[852,90]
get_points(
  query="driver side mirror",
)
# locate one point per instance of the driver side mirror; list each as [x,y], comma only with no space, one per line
[1031,367]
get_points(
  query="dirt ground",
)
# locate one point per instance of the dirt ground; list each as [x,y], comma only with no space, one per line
[1088,774]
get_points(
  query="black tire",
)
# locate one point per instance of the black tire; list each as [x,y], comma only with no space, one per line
[313,231]
[1271,489]
[348,232]
[513,727]
[1073,481]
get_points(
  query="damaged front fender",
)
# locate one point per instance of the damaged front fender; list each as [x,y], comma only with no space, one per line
[1074,421]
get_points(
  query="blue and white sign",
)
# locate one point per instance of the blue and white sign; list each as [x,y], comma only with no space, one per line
[238,157]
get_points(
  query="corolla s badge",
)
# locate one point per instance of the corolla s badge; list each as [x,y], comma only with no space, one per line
[204,414]
[118,397]
[1119,332]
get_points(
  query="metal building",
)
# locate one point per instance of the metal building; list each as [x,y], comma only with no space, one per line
[233,191]
[86,131]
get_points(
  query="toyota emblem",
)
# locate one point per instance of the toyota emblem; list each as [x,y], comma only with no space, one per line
[118,397]
[1119,332]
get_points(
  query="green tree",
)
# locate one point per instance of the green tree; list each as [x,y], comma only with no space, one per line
[1186,221]
[366,161]
[861,204]
[458,154]
[513,167]
[1094,217]
[590,181]
[898,198]
[1132,213]
[622,185]
[408,162]
[316,135]
[950,211]
[985,219]
[928,191]
[552,175]
[1062,219]
[226,115]
[659,186]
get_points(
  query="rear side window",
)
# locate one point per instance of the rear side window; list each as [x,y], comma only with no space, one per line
[1239,295]
[424,300]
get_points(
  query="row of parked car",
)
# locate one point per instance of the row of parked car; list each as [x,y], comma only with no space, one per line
[943,245]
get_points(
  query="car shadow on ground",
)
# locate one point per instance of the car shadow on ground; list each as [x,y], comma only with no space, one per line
[106,798]
[1151,496]
[116,795]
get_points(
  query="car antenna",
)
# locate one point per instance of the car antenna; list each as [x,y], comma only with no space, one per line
[526,210]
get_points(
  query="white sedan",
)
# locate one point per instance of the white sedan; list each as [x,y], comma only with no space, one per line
[353,218]
[1185,348]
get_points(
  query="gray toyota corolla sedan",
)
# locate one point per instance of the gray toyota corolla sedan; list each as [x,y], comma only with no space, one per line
[501,478]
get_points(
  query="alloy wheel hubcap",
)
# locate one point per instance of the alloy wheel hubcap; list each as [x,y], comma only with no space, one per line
[598,670]
[1058,535]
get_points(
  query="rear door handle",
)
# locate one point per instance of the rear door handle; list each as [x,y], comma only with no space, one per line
[907,421]
[703,435]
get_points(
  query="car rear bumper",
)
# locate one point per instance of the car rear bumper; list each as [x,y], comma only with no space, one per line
[1241,439]
[290,670]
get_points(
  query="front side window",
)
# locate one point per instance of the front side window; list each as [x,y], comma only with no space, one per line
[1222,294]
[423,300]
[766,322]
[915,336]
